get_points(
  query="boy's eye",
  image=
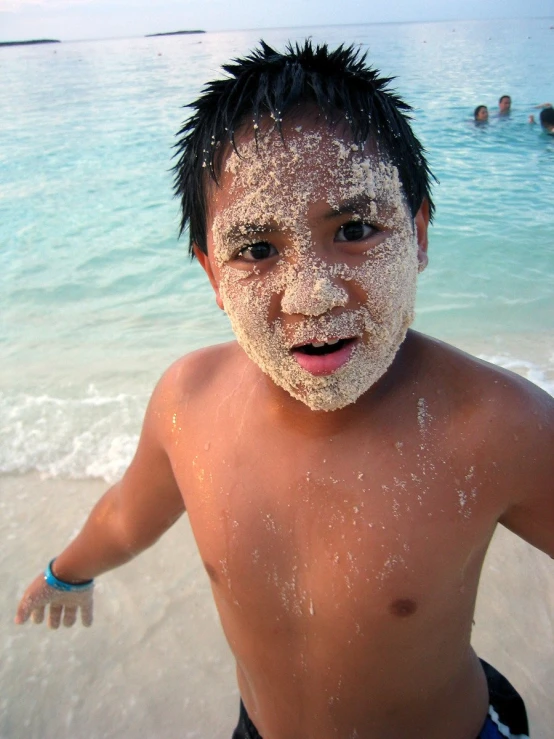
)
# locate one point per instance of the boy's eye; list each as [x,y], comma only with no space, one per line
[354,231]
[258,251]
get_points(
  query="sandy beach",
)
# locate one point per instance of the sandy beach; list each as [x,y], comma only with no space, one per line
[155,663]
[97,298]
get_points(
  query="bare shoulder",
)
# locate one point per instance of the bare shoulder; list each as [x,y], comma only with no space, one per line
[483,390]
[191,383]
[198,372]
[506,424]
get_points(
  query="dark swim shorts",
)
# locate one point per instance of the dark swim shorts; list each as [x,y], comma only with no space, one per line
[507,718]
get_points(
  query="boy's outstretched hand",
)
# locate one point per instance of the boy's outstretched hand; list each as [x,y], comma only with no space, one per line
[63,605]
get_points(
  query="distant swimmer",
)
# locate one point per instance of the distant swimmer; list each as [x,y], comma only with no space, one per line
[546,118]
[481,114]
[504,106]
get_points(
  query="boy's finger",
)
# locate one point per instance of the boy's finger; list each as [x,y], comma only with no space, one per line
[54,616]
[86,614]
[37,615]
[69,615]
[22,614]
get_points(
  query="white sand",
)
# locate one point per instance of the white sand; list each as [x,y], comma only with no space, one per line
[514,624]
[155,663]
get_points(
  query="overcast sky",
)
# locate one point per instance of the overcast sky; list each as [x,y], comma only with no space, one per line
[84,19]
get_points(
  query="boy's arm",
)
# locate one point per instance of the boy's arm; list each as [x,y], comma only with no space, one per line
[129,517]
[529,449]
[533,521]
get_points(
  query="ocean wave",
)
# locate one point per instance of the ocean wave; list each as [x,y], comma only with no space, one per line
[525,368]
[93,436]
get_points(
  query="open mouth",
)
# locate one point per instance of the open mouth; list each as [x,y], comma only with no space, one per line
[321,348]
[324,357]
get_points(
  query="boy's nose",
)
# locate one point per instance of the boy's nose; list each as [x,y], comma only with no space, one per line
[312,292]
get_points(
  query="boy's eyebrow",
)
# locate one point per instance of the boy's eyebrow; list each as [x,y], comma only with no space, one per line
[241,230]
[354,205]
[358,204]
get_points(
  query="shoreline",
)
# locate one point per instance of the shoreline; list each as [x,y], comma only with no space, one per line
[87,428]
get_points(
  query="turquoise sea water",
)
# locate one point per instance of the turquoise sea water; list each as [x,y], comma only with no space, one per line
[97,294]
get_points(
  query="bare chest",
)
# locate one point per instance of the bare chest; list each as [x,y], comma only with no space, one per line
[314,533]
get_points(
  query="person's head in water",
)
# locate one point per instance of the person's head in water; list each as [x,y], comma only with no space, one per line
[481,114]
[546,118]
[268,85]
[504,105]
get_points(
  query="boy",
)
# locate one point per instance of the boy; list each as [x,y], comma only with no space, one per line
[343,474]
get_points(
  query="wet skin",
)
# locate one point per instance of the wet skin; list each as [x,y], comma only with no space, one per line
[344,547]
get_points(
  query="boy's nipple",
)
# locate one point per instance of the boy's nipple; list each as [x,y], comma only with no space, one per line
[403,607]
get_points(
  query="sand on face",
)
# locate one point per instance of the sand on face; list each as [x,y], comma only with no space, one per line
[155,662]
[267,190]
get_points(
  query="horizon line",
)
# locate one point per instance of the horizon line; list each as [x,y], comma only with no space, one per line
[279,28]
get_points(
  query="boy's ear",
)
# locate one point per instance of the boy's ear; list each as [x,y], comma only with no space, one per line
[421,222]
[207,267]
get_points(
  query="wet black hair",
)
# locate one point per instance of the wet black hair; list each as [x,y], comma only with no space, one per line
[477,109]
[268,83]
[546,117]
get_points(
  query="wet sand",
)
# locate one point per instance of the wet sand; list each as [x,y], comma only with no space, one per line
[155,663]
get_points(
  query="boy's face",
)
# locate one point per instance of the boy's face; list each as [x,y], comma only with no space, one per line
[314,256]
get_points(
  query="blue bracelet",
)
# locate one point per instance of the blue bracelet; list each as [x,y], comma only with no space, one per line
[54,582]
